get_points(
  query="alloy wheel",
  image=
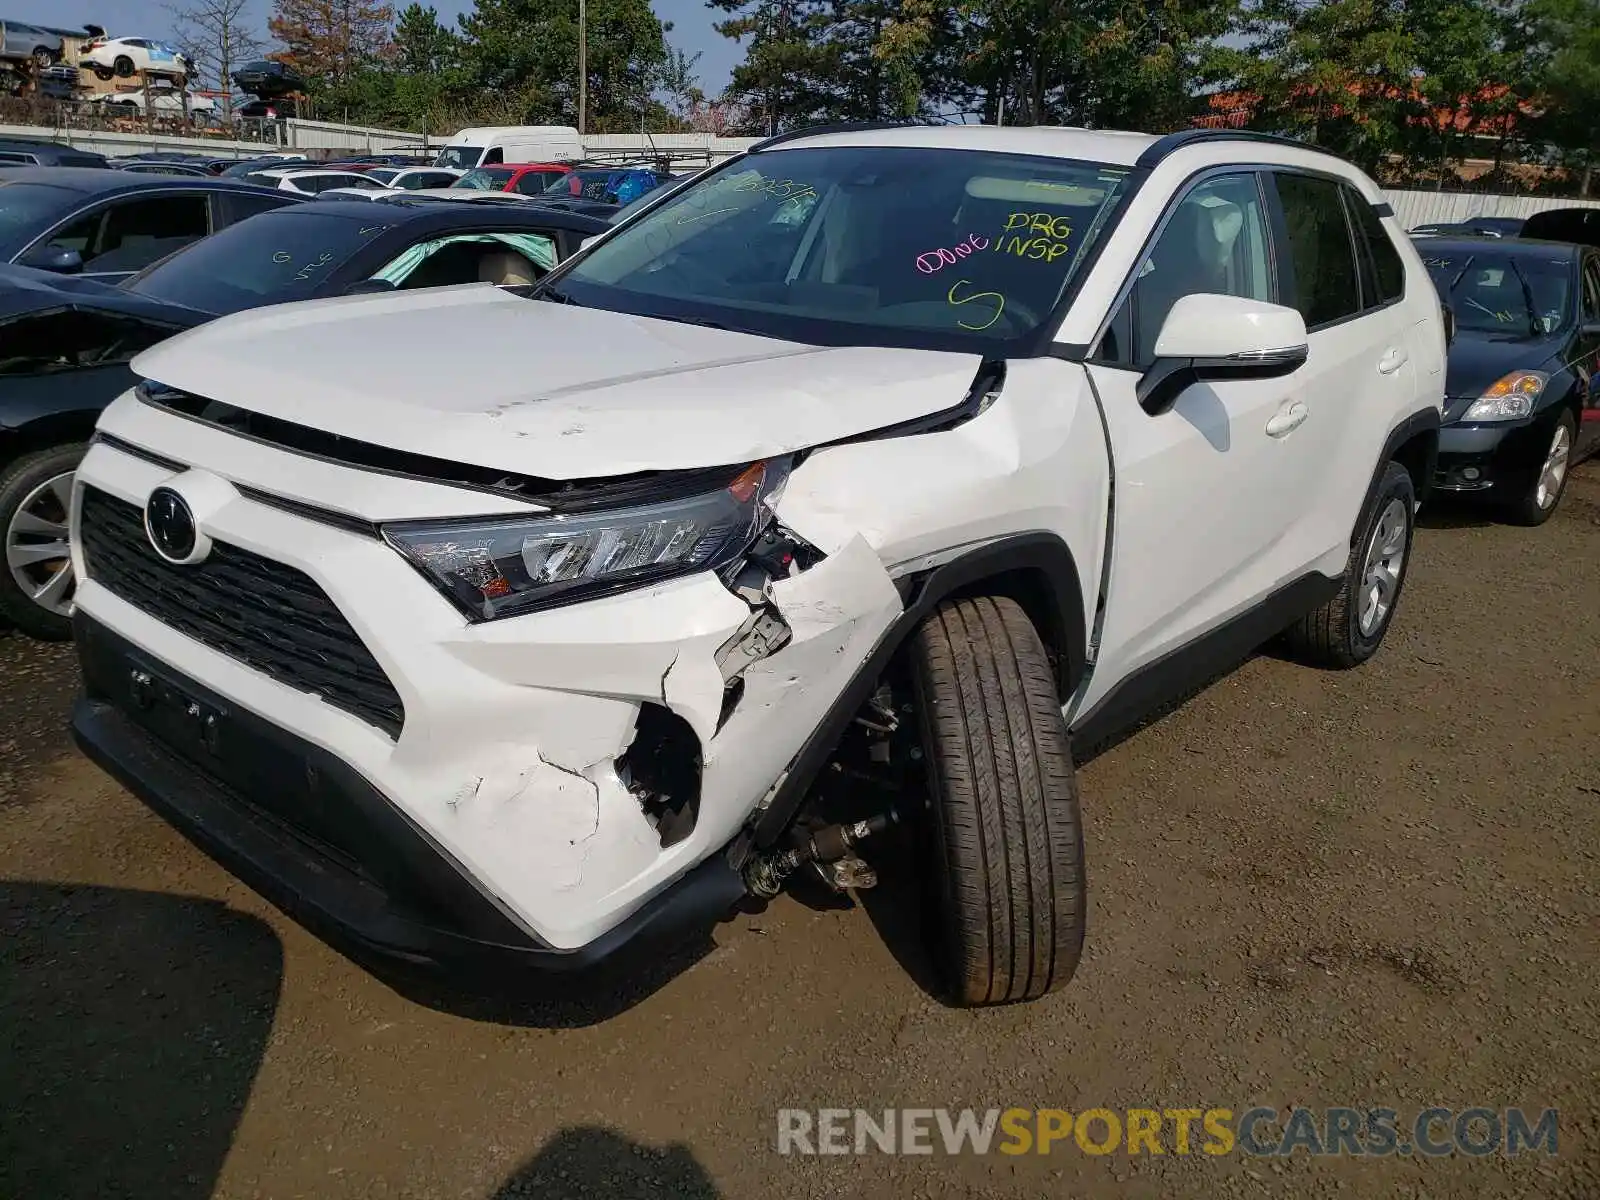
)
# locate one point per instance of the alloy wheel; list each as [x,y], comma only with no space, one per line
[1380,577]
[1554,471]
[37,552]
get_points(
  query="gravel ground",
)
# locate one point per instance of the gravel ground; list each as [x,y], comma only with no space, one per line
[1379,888]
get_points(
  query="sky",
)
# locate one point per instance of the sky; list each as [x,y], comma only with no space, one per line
[691,21]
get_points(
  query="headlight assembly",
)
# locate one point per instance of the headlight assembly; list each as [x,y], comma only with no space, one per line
[498,567]
[1508,398]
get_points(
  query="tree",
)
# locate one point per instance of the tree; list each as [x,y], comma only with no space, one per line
[529,49]
[1469,75]
[680,85]
[1565,50]
[329,41]
[788,72]
[422,46]
[220,35]
[1340,73]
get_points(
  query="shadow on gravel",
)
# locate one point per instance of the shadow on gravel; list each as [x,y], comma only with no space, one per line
[1456,513]
[590,1163]
[533,999]
[132,1025]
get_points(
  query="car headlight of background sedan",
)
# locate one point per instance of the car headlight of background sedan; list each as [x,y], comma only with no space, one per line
[1508,398]
[500,567]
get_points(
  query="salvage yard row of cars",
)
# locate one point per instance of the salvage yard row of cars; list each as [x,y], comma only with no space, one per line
[489,584]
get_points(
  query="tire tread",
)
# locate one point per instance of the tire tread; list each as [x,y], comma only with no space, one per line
[1006,821]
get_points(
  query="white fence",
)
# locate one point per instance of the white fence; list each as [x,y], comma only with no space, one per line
[1427,208]
[317,138]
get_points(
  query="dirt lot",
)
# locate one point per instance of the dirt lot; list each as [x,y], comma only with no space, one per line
[1369,889]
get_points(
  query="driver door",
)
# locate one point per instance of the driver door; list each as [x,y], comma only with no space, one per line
[1204,495]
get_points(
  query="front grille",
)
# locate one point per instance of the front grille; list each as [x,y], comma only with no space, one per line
[262,613]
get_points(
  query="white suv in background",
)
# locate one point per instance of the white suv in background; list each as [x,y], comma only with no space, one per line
[865,476]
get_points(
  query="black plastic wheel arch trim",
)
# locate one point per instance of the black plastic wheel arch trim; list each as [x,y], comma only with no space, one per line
[1418,424]
[1040,553]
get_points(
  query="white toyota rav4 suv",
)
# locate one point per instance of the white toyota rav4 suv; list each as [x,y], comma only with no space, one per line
[863,477]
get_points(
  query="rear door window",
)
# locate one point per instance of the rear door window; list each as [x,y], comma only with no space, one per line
[1321,255]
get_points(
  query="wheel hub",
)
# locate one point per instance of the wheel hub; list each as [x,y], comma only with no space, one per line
[1380,577]
[37,552]
[1554,471]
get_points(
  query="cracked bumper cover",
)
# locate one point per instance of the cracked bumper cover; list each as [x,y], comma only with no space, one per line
[310,834]
[506,769]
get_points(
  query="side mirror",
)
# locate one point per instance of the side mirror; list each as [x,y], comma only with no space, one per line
[364,287]
[61,259]
[1213,338]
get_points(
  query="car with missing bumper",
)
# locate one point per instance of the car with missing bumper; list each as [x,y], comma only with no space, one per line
[1523,400]
[784,515]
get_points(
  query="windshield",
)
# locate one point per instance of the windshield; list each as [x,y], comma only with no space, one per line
[267,259]
[27,208]
[459,157]
[1497,292]
[484,179]
[899,246]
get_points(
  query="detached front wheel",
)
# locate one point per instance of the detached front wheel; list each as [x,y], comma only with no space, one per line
[1003,834]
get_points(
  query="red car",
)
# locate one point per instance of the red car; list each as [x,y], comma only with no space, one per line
[531,179]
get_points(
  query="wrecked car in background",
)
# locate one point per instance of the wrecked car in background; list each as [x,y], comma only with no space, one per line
[66,341]
[786,513]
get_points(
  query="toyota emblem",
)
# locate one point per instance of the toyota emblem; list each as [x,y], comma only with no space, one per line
[169,523]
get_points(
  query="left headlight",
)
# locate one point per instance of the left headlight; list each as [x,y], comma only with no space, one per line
[1508,398]
[501,567]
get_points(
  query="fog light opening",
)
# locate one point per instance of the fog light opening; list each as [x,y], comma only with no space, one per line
[661,767]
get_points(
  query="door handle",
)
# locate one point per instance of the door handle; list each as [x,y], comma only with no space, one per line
[1392,361]
[1288,419]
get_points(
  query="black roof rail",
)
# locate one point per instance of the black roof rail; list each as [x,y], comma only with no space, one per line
[1187,137]
[842,127]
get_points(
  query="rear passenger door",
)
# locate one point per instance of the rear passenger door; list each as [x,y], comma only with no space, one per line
[1342,273]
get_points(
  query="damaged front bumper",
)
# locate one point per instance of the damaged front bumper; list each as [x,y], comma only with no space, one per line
[513,808]
[310,834]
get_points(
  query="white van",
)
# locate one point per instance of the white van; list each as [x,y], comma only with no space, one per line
[510,144]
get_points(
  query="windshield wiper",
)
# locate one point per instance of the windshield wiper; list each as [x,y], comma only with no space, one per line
[554,295]
[1534,323]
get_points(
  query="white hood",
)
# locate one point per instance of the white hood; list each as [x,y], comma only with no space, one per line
[478,375]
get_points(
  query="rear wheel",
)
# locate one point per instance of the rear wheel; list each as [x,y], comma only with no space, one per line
[1536,503]
[44,58]
[104,74]
[123,65]
[1003,835]
[1347,630]
[37,584]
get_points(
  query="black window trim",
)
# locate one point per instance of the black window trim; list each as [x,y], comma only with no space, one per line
[1588,265]
[1353,198]
[1281,228]
[1093,355]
